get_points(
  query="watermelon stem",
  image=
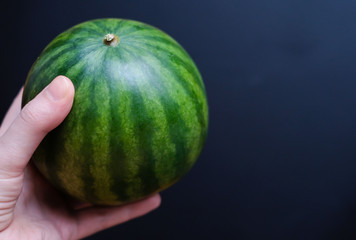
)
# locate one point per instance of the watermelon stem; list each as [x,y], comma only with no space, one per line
[111,40]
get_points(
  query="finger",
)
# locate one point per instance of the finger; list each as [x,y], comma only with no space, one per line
[11,114]
[96,219]
[45,112]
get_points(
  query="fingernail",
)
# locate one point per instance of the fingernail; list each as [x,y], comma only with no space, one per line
[58,88]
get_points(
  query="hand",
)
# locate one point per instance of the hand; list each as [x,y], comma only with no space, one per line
[29,207]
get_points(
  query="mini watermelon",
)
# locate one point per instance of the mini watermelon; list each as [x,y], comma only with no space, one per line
[139,118]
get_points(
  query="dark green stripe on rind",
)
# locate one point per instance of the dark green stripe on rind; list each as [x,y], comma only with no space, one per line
[143,130]
[120,104]
[135,131]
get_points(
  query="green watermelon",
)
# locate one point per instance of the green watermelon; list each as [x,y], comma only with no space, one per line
[139,118]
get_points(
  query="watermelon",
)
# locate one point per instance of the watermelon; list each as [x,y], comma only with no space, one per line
[139,118]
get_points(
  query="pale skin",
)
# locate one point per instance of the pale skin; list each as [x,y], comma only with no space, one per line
[29,207]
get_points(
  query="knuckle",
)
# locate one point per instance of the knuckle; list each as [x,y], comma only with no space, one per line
[33,115]
[29,116]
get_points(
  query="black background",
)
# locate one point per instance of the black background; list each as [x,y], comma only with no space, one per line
[279,161]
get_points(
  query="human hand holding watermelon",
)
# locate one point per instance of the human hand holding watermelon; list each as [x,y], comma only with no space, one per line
[29,207]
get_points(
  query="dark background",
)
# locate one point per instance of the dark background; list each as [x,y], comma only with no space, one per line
[279,162]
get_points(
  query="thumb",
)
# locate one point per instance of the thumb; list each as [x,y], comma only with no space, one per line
[45,112]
